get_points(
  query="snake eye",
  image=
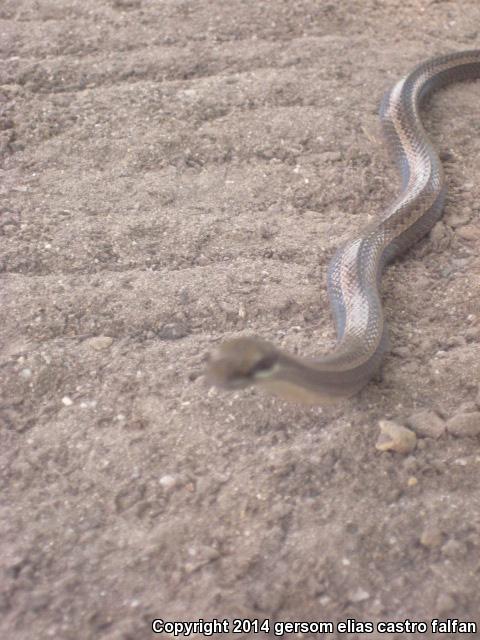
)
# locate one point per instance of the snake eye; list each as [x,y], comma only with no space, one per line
[263,366]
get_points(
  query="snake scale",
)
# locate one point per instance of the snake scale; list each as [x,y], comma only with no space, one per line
[355,270]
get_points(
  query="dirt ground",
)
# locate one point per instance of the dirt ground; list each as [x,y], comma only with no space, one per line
[176,172]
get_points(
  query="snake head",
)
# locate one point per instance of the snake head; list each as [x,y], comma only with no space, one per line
[240,362]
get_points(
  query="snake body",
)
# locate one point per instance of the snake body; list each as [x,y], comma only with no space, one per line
[355,270]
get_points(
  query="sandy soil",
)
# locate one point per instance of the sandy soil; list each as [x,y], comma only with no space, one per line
[175,172]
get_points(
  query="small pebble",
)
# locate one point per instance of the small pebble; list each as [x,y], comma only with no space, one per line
[438,235]
[467,407]
[168,482]
[445,604]
[172,331]
[427,423]
[452,548]
[67,401]
[412,481]
[331,156]
[26,374]
[472,334]
[359,595]
[464,424]
[395,437]
[376,609]
[100,342]
[458,219]
[410,368]
[410,464]
[431,537]
[470,232]
[456,341]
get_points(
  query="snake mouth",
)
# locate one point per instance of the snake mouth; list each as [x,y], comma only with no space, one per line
[239,363]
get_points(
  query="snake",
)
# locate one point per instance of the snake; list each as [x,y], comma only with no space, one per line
[355,270]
